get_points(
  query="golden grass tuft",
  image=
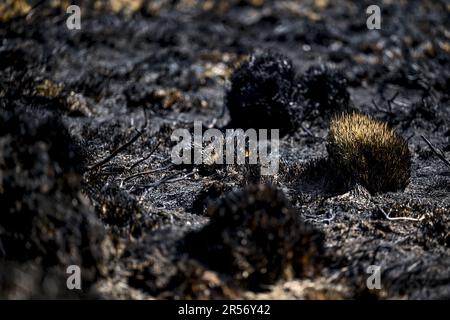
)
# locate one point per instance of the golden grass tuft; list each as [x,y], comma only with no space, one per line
[369,152]
[10,9]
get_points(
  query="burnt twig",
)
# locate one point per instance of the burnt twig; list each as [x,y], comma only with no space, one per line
[438,152]
[392,100]
[140,174]
[121,148]
[144,158]
[168,179]
[330,218]
[378,108]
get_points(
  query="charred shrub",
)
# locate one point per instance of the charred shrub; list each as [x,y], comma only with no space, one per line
[157,266]
[180,279]
[260,94]
[256,237]
[37,145]
[367,151]
[44,217]
[194,281]
[322,91]
[153,268]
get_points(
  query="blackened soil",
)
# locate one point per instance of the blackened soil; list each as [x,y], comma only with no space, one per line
[69,99]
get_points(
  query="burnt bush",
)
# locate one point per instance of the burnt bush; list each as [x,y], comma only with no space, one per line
[261,91]
[256,237]
[322,92]
[159,267]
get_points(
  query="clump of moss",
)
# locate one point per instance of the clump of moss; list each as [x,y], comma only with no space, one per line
[369,152]
[257,238]
[261,92]
[323,91]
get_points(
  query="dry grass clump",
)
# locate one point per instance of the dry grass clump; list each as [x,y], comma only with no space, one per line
[369,152]
[260,95]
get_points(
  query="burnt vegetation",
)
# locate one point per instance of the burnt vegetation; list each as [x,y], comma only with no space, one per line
[45,220]
[257,237]
[261,94]
[86,176]
[323,93]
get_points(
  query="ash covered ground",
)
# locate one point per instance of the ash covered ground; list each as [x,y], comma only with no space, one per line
[86,176]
